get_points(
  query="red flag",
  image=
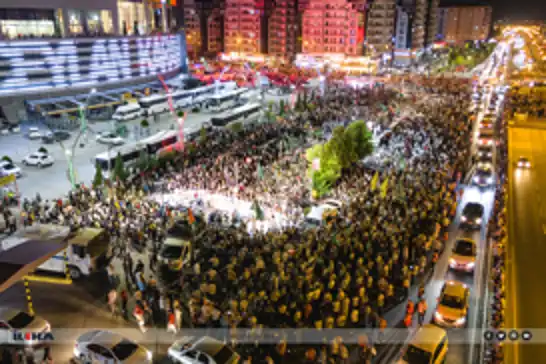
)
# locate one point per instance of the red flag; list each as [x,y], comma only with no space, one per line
[191,218]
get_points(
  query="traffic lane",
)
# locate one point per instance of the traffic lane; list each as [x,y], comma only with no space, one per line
[64,307]
[439,276]
[527,245]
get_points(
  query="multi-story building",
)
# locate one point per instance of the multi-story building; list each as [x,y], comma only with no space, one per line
[432,22]
[466,23]
[411,15]
[242,27]
[381,26]
[330,27]
[283,29]
[215,34]
[192,27]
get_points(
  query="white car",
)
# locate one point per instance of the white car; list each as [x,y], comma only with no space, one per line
[7,168]
[199,350]
[110,138]
[34,133]
[12,319]
[106,347]
[38,159]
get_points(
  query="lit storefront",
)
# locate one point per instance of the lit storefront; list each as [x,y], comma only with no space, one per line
[16,23]
[135,16]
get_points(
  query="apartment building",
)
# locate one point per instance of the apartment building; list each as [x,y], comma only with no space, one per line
[330,27]
[283,29]
[465,23]
[432,22]
[192,27]
[242,27]
[380,26]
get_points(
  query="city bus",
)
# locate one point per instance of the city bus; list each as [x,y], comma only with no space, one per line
[225,100]
[130,154]
[130,111]
[155,104]
[243,113]
[182,99]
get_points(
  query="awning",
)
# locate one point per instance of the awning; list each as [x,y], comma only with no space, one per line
[23,259]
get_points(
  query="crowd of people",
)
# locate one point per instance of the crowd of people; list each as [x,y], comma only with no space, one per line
[345,274]
[527,100]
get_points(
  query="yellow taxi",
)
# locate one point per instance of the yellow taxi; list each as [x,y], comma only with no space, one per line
[463,257]
[452,306]
[428,346]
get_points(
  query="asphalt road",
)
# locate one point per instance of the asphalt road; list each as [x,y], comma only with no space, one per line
[53,182]
[526,293]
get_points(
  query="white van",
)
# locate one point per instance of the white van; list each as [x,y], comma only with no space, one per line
[175,253]
[85,247]
[315,218]
[127,112]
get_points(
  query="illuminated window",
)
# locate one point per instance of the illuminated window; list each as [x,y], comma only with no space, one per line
[75,22]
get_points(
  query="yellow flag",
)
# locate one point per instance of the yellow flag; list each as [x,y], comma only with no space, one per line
[384,186]
[375,178]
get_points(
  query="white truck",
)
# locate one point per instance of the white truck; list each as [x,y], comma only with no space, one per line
[83,252]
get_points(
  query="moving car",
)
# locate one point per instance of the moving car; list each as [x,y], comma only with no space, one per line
[463,257]
[175,253]
[452,306]
[485,137]
[7,168]
[524,163]
[428,346]
[318,215]
[199,350]
[472,215]
[38,159]
[483,177]
[107,347]
[485,151]
[55,136]
[110,138]
[486,123]
[34,133]
[12,319]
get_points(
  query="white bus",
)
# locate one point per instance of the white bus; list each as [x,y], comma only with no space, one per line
[243,113]
[182,99]
[127,112]
[130,154]
[155,104]
[225,100]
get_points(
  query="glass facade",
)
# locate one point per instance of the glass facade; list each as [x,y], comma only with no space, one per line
[20,23]
[133,17]
[75,22]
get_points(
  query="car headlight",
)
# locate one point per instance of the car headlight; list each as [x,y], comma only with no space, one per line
[470,265]
[478,220]
[150,355]
[463,218]
[528,164]
[490,180]
[452,261]
[476,179]
[438,316]
[77,351]
[490,142]
[520,164]
[460,321]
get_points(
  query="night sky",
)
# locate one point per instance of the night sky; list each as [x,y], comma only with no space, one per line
[512,9]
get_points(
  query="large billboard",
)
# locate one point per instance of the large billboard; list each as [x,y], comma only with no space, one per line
[41,65]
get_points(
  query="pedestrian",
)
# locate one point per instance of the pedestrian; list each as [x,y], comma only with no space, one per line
[112,300]
[47,358]
[124,296]
[171,322]
[421,311]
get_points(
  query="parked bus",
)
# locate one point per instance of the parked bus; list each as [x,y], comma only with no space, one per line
[155,104]
[182,99]
[225,100]
[130,154]
[128,112]
[245,112]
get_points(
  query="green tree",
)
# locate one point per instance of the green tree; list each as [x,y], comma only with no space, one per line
[98,180]
[43,150]
[342,147]
[203,135]
[144,123]
[7,159]
[119,169]
[361,139]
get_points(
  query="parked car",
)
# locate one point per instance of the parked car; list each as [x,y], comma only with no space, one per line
[7,168]
[34,133]
[194,350]
[106,347]
[55,136]
[110,138]
[12,319]
[38,159]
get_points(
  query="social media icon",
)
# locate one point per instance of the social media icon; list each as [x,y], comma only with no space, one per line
[501,335]
[513,335]
[526,335]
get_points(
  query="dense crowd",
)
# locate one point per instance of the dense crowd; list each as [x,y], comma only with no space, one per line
[532,101]
[345,274]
